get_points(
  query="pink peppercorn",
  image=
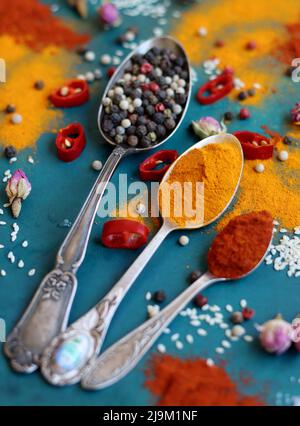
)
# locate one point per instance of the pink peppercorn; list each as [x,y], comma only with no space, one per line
[251,45]
[244,113]
[154,87]
[110,71]
[248,313]
[109,14]
[200,300]
[159,107]
[146,68]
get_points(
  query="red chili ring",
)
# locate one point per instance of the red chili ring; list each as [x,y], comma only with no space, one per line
[216,88]
[74,133]
[74,97]
[146,168]
[124,233]
[253,152]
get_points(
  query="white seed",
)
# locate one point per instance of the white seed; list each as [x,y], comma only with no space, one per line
[137,102]
[16,118]
[64,91]
[248,338]
[2,222]
[119,90]
[283,155]
[25,243]
[1,246]
[21,264]
[220,350]
[175,337]
[148,296]
[202,332]
[98,74]
[140,208]
[89,56]
[184,240]
[229,308]
[3,272]
[178,344]
[31,272]
[105,59]
[106,102]
[202,31]
[189,338]
[210,362]
[97,165]
[89,76]
[238,331]
[226,344]
[259,168]
[30,159]
[243,303]
[161,348]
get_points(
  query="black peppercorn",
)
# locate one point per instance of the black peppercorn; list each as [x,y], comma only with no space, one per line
[194,276]
[10,109]
[150,110]
[115,118]
[10,152]
[242,96]
[141,131]
[131,130]
[151,126]
[145,142]
[251,92]
[158,118]
[286,140]
[228,116]
[159,296]
[170,123]
[161,131]
[39,85]
[132,140]
[140,110]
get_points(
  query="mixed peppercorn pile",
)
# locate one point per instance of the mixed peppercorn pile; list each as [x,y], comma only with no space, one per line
[145,105]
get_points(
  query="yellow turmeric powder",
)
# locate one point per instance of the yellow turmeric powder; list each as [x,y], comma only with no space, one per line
[218,166]
[24,67]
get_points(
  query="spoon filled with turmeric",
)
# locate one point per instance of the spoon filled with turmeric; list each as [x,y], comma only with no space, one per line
[235,252]
[196,190]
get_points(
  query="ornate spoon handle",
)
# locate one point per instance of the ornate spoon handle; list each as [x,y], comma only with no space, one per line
[48,313]
[71,353]
[123,356]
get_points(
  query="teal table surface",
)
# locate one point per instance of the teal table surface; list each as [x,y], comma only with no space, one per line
[59,190]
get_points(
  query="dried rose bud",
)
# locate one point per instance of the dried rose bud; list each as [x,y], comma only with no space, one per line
[295,114]
[17,189]
[109,14]
[207,126]
[276,336]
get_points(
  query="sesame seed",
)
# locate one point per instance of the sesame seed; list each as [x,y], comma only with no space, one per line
[25,243]
[175,337]
[189,338]
[226,344]
[161,348]
[202,332]
[210,362]
[148,295]
[31,272]
[178,344]
[219,350]
[2,222]
[21,264]
[243,303]
[248,338]
[3,273]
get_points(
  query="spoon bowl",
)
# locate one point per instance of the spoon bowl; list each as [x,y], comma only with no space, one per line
[160,42]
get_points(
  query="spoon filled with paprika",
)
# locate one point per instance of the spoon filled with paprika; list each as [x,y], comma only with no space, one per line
[215,162]
[235,253]
[144,77]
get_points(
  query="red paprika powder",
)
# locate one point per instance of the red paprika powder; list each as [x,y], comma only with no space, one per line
[191,382]
[241,245]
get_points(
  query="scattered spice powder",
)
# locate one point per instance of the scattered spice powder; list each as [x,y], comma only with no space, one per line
[241,245]
[227,21]
[33,23]
[290,49]
[275,190]
[24,68]
[218,166]
[191,382]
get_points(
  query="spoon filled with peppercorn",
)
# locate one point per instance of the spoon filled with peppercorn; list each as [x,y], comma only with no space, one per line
[216,162]
[235,253]
[143,104]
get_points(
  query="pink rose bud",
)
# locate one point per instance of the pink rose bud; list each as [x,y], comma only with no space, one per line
[207,126]
[295,114]
[17,189]
[109,14]
[276,336]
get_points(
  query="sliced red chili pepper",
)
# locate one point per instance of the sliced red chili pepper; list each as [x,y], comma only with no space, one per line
[124,233]
[216,89]
[147,167]
[75,93]
[254,145]
[70,142]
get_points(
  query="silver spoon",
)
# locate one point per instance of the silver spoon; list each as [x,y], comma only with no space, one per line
[47,314]
[118,360]
[71,353]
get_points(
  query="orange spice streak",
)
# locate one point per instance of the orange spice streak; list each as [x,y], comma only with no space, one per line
[191,382]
